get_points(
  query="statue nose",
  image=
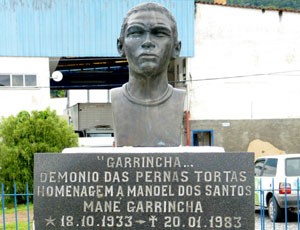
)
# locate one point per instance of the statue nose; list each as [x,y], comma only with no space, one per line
[148,43]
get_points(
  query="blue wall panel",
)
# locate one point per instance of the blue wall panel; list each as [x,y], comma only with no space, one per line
[55,28]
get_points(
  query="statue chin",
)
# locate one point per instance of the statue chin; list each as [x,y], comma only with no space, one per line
[149,69]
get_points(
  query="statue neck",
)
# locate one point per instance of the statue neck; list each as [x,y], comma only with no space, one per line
[147,88]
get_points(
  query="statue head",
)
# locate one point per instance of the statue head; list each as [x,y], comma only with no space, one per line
[149,29]
[151,6]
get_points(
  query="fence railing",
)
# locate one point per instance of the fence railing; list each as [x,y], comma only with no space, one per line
[23,219]
[16,220]
[287,194]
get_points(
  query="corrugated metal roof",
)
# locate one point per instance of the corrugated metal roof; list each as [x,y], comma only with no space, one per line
[56,28]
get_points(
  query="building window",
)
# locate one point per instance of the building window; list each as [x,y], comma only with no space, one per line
[18,80]
[4,80]
[30,80]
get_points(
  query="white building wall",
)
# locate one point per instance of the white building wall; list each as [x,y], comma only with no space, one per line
[246,64]
[15,99]
[88,96]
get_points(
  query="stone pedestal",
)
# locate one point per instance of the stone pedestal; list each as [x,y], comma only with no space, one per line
[144,188]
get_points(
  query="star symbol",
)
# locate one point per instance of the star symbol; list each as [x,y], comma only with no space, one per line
[50,221]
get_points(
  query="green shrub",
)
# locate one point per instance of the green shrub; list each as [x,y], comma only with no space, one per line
[24,135]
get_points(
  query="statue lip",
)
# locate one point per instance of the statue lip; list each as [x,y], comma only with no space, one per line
[147,55]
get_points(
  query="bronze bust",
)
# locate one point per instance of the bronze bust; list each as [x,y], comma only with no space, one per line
[147,111]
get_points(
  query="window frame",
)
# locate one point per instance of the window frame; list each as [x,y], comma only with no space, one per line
[210,133]
[7,76]
[23,81]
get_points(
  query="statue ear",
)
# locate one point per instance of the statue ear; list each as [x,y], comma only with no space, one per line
[176,49]
[120,48]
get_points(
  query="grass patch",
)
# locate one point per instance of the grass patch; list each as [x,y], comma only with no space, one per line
[12,226]
[11,209]
[10,223]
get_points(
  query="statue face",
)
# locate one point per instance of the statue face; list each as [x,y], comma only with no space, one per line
[148,42]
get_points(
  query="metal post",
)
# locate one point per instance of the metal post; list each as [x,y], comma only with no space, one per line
[3,206]
[16,205]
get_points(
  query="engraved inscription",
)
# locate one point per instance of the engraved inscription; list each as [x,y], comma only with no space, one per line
[111,191]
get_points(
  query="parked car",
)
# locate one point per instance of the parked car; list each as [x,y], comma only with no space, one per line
[277,184]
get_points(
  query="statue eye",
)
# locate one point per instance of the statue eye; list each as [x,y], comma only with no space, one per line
[135,31]
[161,32]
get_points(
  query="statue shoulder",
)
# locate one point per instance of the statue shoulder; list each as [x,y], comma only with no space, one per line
[179,93]
[116,93]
